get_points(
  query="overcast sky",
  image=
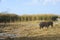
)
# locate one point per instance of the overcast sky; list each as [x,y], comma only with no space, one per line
[30,6]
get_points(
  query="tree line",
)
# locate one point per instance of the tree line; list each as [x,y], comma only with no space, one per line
[14,18]
[38,17]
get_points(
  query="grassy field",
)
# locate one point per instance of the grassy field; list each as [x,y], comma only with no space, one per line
[31,31]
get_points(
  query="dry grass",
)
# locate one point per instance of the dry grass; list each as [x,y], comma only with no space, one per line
[32,29]
[28,29]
